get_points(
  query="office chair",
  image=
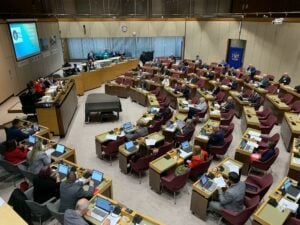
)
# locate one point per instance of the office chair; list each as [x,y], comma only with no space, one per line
[226,118]
[264,143]
[141,165]
[111,148]
[220,97]
[167,146]
[292,221]
[200,83]
[287,98]
[267,125]
[200,169]
[119,80]
[27,174]
[221,150]
[295,107]
[258,185]
[240,218]
[199,116]
[185,137]
[266,165]
[264,114]
[12,169]
[53,208]
[272,89]
[227,129]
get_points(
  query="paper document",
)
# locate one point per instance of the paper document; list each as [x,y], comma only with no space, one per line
[150,141]
[113,219]
[203,137]
[111,137]
[215,112]
[232,167]
[220,181]
[256,138]
[252,144]
[286,204]
[147,118]
[171,128]
[50,151]
[253,133]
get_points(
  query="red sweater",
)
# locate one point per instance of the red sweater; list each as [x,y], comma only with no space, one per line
[15,156]
[38,88]
[198,159]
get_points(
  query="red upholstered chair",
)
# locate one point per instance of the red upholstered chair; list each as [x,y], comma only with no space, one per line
[220,97]
[200,83]
[175,75]
[119,80]
[271,77]
[167,146]
[226,118]
[195,100]
[265,166]
[292,221]
[247,93]
[200,169]
[162,96]
[221,150]
[186,137]
[227,129]
[155,126]
[225,81]
[128,82]
[199,116]
[264,114]
[265,140]
[111,148]
[287,98]
[272,89]
[165,103]
[267,125]
[156,92]
[155,79]
[174,183]
[240,218]
[141,165]
[128,74]
[295,107]
[258,185]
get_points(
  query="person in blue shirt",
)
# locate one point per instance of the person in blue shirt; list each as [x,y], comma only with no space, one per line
[16,133]
[252,70]
[264,82]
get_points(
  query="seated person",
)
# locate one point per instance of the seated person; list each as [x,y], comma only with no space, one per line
[188,127]
[228,105]
[37,158]
[198,61]
[157,63]
[251,70]
[231,72]
[199,156]
[45,187]
[90,56]
[234,84]
[200,107]
[76,216]
[285,79]
[297,88]
[254,99]
[90,65]
[192,79]
[265,154]
[140,131]
[183,67]
[15,132]
[144,150]
[216,138]
[216,90]
[166,81]
[143,84]
[76,70]
[15,154]
[184,90]
[37,87]
[67,64]
[231,197]
[210,75]
[70,191]
[264,82]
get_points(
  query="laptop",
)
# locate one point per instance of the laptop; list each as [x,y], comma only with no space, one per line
[185,146]
[31,140]
[59,150]
[63,170]
[290,189]
[97,177]
[128,127]
[129,146]
[206,183]
[102,209]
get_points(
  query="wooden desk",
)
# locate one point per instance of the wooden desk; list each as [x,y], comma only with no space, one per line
[9,216]
[104,137]
[243,155]
[261,91]
[139,95]
[173,96]
[266,214]
[202,139]
[125,155]
[152,85]
[112,88]
[104,188]
[145,119]
[25,124]
[57,115]
[239,104]
[294,166]
[284,89]
[277,106]
[183,105]
[206,94]
[161,165]
[201,196]
[152,101]
[124,215]
[290,128]
[249,119]
[93,79]
[214,111]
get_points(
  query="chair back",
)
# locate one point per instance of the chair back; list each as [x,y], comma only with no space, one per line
[155,79]
[296,107]
[287,98]
[228,129]
[10,168]
[270,77]
[195,100]
[38,211]
[119,80]
[264,114]
[292,221]
[27,174]
[266,164]
[265,183]
[227,117]
[142,163]
[275,138]
[200,169]
[156,125]
[272,89]
[225,81]
[53,208]
[128,74]
[220,97]
[178,182]
[128,82]
[156,91]
[167,146]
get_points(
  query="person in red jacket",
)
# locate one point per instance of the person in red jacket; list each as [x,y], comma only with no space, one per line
[199,156]
[15,154]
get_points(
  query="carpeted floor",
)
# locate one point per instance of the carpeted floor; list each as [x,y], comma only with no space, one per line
[126,188]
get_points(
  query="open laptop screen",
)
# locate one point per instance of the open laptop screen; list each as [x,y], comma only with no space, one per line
[203,180]
[97,175]
[127,125]
[60,148]
[103,204]
[64,169]
[185,145]
[31,139]
[129,144]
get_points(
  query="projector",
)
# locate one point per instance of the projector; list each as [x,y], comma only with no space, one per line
[277,21]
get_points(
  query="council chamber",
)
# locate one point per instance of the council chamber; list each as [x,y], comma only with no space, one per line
[149,112]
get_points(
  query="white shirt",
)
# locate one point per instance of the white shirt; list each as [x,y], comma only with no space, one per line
[166,82]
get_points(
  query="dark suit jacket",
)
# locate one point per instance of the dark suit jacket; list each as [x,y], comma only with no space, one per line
[285,80]
[254,99]
[44,189]
[15,133]
[264,83]
[267,154]
[216,138]
[70,193]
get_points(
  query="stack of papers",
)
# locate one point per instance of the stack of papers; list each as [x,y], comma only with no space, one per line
[286,204]
[220,181]
[254,133]
[150,141]
[111,137]
[147,118]
[203,137]
[232,167]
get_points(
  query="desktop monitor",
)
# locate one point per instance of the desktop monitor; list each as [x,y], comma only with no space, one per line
[60,148]
[129,144]
[64,169]
[97,175]
[103,204]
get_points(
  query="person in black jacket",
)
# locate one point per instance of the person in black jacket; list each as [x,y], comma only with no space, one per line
[285,79]
[45,187]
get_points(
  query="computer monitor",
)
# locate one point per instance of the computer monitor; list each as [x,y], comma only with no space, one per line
[60,148]
[97,175]
[31,139]
[203,179]
[127,126]
[103,204]
[64,169]
[185,145]
[129,144]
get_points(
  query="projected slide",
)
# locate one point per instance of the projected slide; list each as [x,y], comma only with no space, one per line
[25,39]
